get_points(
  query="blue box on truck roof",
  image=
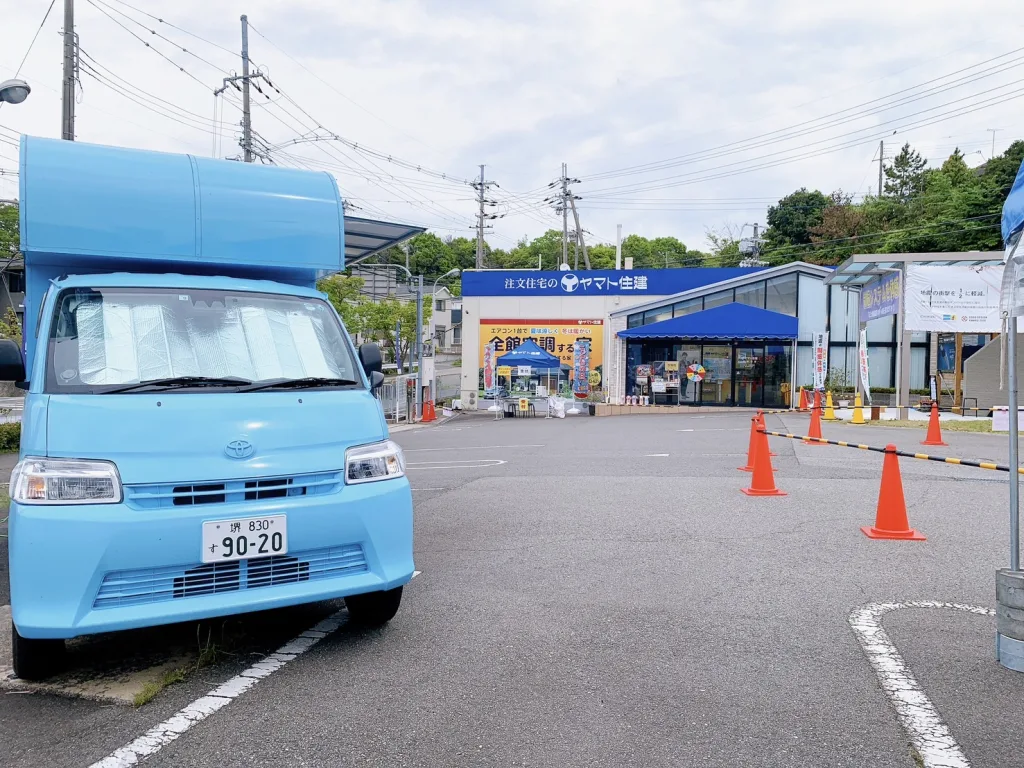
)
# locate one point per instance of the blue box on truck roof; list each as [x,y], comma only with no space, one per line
[200,435]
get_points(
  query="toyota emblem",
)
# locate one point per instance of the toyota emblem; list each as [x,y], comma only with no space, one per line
[239,449]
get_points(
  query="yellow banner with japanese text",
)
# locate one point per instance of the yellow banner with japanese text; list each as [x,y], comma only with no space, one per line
[553,336]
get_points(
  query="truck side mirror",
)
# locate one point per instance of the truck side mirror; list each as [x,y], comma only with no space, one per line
[370,357]
[12,364]
[376,380]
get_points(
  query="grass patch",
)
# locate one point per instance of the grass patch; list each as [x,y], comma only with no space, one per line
[982,425]
[152,688]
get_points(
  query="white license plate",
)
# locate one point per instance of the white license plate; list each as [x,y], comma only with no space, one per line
[244,538]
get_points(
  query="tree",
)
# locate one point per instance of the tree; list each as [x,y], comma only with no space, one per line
[8,230]
[725,247]
[379,320]
[905,175]
[791,219]
[836,236]
[10,326]
[345,294]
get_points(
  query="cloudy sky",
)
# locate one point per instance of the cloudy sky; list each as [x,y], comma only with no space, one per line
[677,117]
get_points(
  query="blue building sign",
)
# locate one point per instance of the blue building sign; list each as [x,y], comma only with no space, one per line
[595,282]
[880,298]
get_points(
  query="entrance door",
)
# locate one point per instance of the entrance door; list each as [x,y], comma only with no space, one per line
[778,367]
[749,375]
[717,385]
[689,391]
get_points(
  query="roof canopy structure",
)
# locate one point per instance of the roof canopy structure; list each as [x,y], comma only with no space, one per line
[862,268]
[729,321]
[366,237]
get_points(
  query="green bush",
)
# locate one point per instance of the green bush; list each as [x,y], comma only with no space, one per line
[10,437]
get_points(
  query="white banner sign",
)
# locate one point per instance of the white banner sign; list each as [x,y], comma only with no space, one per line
[862,352]
[524,370]
[953,299]
[819,360]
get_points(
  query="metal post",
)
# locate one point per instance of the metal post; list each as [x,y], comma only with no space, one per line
[480,223]
[246,118]
[881,165]
[618,247]
[419,345]
[1011,364]
[67,97]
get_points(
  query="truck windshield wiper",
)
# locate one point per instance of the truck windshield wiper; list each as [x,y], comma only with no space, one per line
[177,382]
[305,383]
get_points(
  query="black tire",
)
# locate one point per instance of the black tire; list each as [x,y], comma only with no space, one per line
[374,609]
[36,659]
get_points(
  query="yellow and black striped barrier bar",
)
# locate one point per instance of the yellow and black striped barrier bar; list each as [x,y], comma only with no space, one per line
[905,454]
[789,410]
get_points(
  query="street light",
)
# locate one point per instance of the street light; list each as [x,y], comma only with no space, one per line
[449,273]
[14,91]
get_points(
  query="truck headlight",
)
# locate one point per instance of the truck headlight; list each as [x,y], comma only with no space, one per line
[377,461]
[65,481]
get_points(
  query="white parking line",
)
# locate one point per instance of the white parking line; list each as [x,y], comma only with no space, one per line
[467,464]
[159,736]
[654,455]
[918,716]
[164,733]
[470,448]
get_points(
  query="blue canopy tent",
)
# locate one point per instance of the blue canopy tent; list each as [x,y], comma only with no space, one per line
[729,321]
[541,362]
[529,353]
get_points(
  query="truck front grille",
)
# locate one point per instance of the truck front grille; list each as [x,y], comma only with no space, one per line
[154,585]
[230,491]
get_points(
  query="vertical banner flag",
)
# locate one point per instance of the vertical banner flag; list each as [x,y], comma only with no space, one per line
[862,352]
[581,369]
[489,369]
[820,359]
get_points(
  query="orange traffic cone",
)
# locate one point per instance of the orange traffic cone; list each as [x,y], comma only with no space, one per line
[762,483]
[751,447]
[815,428]
[803,399]
[891,518]
[429,414]
[934,433]
[762,425]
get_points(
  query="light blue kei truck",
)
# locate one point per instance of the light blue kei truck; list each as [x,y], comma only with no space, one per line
[200,435]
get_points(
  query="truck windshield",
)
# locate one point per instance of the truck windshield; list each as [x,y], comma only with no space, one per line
[106,339]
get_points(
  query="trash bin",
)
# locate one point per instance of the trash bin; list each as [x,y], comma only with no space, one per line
[876,412]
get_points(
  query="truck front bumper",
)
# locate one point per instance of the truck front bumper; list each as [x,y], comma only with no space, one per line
[80,570]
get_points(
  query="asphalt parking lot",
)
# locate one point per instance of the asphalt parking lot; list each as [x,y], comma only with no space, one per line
[598,592]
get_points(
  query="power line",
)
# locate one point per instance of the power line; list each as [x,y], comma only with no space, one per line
[157,51]
[34,38]
[331,86]
[656,165]
[173,26]
[177,45]
[654,184]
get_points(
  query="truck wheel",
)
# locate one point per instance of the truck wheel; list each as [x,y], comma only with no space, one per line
[36,659]
[374,609]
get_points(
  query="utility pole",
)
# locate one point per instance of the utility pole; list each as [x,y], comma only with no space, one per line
[246,118]
[618,247]
[993,131]
[565,217]
[579,234]
[881,166]
[481,217]
[67,97]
